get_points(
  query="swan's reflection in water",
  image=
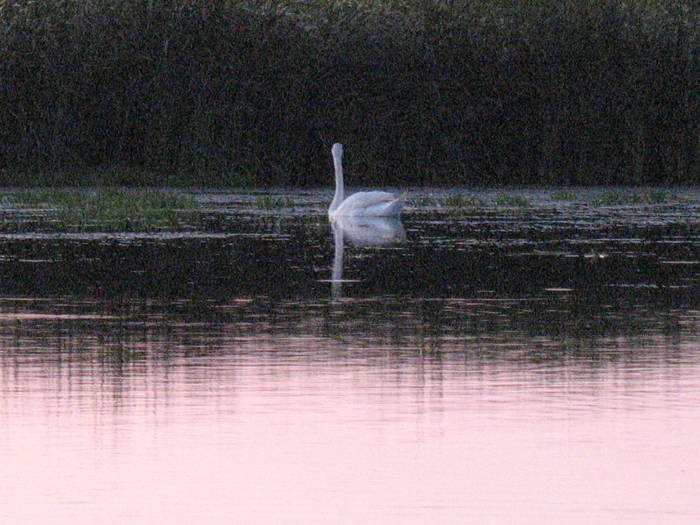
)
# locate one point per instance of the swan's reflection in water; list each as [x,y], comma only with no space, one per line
[364,232]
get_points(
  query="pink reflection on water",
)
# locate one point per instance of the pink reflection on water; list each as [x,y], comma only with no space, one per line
[256,437]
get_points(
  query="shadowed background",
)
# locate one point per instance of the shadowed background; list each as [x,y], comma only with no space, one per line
[422,92]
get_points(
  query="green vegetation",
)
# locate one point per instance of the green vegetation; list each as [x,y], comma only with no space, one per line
[462,201]
[514,201]
[458,201]
[109,209]
[253,92]
[424,201]
[270,202]
[626,197]
[450,201]
[564,195]
[618,197]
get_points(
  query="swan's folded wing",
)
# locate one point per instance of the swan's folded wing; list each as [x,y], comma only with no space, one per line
[370,203]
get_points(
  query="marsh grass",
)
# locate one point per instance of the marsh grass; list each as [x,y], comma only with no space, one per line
[511,201]
[253,92]
[462,201]
[564,195]
[618,197]
[424,201]
[270,202]
[469,202]
[626,197]
[108,209]
[450,201]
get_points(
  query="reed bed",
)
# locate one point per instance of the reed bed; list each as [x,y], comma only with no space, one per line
[97,209]
[252,92]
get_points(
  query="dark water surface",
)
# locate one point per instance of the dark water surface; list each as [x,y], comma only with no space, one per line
[511,361]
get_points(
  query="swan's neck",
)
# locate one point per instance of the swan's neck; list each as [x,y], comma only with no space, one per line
[338,197]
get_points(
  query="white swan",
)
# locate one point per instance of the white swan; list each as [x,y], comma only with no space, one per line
[363,203]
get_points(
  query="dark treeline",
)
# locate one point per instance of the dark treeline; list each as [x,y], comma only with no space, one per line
[420,91]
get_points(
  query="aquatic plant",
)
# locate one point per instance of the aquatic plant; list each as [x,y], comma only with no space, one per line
[108,209]
[613,197]
[104,198]
[563,195]
[270,202]
[424,201]
[453,202]
[515,201]
[461,201]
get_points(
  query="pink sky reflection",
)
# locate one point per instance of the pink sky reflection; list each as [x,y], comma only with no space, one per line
[266,440]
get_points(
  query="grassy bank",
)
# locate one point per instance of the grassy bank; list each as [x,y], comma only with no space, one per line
[253,93]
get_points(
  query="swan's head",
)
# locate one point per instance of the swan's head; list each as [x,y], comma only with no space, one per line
[337,150]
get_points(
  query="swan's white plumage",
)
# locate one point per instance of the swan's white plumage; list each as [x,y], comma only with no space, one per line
[363,203]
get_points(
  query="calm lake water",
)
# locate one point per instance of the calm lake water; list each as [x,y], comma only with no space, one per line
[527,357]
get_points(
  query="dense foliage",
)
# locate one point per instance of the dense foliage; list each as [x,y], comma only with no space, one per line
[421,91]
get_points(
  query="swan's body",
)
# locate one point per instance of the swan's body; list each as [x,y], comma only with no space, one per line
[363,203]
